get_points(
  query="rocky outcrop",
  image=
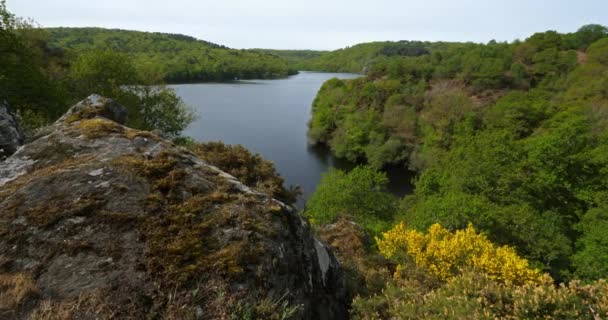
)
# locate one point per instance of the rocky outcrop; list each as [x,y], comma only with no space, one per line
[10,136]
[99,221]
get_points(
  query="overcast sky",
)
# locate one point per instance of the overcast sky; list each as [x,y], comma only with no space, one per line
[321,24]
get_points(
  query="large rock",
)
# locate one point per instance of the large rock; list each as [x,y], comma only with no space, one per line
[10,136]
[98,220]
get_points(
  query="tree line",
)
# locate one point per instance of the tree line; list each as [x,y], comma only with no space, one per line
[175,58]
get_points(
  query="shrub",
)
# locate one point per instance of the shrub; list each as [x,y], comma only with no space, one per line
[476,296]
[360,193]
[249,168]
[445,254]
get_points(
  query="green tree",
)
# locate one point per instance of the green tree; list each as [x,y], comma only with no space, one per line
[104,72]
[598,52]
[360,194]
[151,106]
[591,258]
[160,108]
[588,34]
[355,132]
[23,80]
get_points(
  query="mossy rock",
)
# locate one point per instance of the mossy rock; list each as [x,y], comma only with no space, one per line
[103,221]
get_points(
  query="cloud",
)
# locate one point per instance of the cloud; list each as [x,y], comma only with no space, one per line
[321,24]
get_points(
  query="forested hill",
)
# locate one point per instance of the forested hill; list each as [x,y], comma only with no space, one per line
[509,136]
[297,59]
[175,57]
[355,59]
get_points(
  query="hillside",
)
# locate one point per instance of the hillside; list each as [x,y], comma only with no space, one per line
[295,58]
[355,59]
[471,119]
[509,141]
[177,58]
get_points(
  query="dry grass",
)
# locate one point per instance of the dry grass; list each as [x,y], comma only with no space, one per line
[89,306]
[15,290]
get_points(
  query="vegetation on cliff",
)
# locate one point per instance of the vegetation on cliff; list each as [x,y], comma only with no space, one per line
[252,169]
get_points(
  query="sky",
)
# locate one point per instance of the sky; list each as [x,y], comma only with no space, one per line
[321,24]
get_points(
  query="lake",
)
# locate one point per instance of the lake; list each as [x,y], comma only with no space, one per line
[270,117]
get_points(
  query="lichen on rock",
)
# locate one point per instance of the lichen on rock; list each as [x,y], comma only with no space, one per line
[98,220]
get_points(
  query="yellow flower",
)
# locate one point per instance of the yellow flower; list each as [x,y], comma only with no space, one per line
[445,254]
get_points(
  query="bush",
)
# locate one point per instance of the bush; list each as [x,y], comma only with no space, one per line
[151,106]
[360,194]
[251,169]
[476,296]
[445,254]
[598,52]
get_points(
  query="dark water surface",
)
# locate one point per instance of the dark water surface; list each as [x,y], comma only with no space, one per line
[270,117]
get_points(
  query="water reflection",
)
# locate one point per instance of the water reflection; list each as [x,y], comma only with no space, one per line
[270,117]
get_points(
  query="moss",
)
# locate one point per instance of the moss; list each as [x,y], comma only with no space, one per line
[249,168]
[180,240]
[132,134]
[98,127]
[56,209]
[83,114]
[186,236]
[118,219]
[153,169]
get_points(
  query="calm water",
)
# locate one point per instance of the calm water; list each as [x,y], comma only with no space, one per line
[270,117]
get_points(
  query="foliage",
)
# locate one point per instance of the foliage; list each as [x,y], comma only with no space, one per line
[597,52]
[476,296]
[439,86]
[360,194]
[296,59]
[25,78]
[585,36]
[508,136]
[591,258]
[177,58]
[40,81]
[445,254]
[150,106]
[478,280]
[358,58]
[250,168]
[103,72]
[366,272]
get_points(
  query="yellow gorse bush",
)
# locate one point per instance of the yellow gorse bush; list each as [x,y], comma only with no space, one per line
[445,254]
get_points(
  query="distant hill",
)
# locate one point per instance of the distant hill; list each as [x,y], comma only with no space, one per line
[176,57]
[354,59]
[295,58]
